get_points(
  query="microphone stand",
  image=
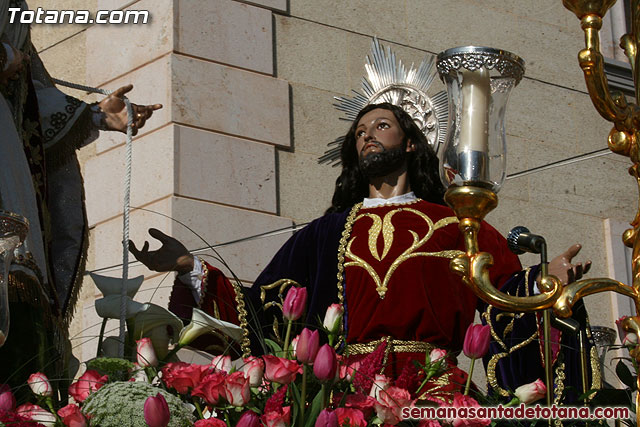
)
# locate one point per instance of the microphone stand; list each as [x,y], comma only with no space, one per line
[568,325]
[546,318]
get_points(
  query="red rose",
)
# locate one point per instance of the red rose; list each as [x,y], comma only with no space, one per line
[72,416]
[366,404]
[210,422]
[237,389]
[459,401]
[183,376]
[89,382]
[253,369]
[350,417]
[277,419]
[37,414]
[390,403]
[279,370]
[211,388]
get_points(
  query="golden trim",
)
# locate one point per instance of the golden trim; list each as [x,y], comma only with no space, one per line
[559,383]
[493,362]
[204,281]
[351,219]
[245,343]
[393,346]
[282,284]
[387,229]
[491,374]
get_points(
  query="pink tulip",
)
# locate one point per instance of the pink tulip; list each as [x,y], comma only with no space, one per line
[327,418]
[279,370]
[308,345]
[333,318]
[294,303]
[146,354]
[253,369]
[89,382]
[531,392]
[7,399]
[72,416]
[476,341]
[249,419]
[40,385]
[326,363]
[156,411]
[37,414]
[221,363]
[237,389]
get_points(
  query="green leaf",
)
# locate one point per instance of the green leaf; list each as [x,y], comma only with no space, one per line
[274,346]
[625,375]
[295,393]
[316,408]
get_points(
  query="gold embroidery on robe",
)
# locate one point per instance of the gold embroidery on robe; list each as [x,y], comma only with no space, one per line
[385,226]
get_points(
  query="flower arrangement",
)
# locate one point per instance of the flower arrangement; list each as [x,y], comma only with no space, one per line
[301,383]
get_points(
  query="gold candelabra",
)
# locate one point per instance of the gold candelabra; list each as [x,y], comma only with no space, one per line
[472,191]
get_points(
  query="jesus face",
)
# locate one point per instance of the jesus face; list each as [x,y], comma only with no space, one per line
[381,143]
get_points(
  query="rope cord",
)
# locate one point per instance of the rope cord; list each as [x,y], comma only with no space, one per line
[126,207]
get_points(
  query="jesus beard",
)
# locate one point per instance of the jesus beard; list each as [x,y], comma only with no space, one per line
[382,163]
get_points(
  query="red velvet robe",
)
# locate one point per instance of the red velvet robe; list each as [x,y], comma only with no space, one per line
[425,301]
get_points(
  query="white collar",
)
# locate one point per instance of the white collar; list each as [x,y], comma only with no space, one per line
[401,199]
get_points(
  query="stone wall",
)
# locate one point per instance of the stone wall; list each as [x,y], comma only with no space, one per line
[247,90]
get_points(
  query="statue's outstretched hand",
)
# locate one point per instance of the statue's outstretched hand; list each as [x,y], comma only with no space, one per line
[563,269]
[116,112]
[172,255]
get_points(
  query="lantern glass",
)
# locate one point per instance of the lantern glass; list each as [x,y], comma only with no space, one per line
[479,81]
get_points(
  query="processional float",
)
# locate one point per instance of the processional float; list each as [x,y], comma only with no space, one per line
[466,128]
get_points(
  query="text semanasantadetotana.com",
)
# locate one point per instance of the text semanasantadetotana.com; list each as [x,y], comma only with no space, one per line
[521,412]
[42,16]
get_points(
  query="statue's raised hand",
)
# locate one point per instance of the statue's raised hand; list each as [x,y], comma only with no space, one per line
[568,272]
[172,255]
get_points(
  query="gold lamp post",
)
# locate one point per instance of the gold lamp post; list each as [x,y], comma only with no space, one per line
[623,139]
[471,165]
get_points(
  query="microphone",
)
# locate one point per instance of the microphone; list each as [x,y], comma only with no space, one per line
[520,240]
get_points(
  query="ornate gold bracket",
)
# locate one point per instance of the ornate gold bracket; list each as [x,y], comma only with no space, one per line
[471,205]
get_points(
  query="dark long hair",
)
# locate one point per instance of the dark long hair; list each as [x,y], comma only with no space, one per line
[352,185]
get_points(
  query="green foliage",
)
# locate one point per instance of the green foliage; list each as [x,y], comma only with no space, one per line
[121,404]
[117,369]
